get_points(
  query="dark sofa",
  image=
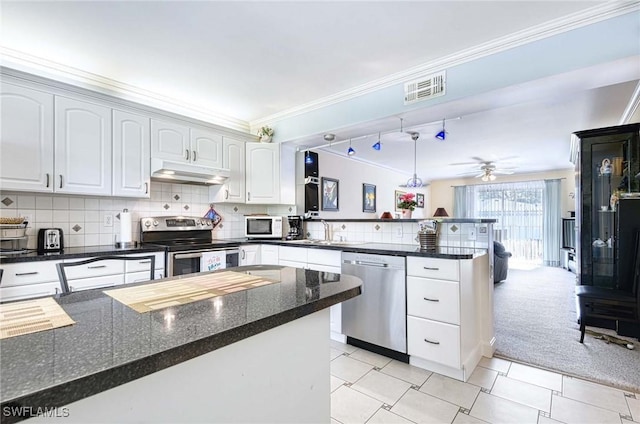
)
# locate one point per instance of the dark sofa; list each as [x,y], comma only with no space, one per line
[500,262]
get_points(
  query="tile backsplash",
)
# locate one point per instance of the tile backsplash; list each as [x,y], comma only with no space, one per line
[84,219]
[449,234]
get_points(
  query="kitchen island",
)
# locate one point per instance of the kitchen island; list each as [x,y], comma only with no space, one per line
[230,358]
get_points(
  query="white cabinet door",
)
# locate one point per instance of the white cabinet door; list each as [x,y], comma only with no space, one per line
[131,155]
[233,190]
[249,255]
[170,141]
[206,148]
[263,173]
[26,139]
[269,254]
[82,147]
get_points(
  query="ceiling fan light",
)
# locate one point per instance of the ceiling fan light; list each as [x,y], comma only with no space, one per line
[492,177]
[485,178]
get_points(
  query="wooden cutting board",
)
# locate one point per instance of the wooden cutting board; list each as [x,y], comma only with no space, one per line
[31,316]
[154,296]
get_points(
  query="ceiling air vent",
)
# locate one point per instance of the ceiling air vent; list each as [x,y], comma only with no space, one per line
[424,88]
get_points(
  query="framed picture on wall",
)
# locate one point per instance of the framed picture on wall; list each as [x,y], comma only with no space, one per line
[329,194]
[398,194]
[420,200]
[368,198]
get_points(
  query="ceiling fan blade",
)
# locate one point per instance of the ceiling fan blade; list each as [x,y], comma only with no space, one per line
[503,172]
[479,175]
[463,163]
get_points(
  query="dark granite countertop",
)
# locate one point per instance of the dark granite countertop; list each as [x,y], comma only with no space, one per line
[79,252]
[111,344]
[445,220]
[379,248]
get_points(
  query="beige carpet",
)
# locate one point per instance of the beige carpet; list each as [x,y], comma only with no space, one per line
[535,321]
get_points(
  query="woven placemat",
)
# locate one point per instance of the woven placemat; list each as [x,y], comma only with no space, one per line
[154,296]
[31,316]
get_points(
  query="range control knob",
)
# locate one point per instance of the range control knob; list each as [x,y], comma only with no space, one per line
[147,224]
[155,223]
[209,223]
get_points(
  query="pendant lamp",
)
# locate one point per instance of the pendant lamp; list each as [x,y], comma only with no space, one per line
[414,181]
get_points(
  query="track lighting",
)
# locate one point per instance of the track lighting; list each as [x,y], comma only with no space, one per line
[442,134]
[378,144]
[350,150]
[307,158]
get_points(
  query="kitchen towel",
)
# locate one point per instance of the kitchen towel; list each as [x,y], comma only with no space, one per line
[125,226]
[212,261]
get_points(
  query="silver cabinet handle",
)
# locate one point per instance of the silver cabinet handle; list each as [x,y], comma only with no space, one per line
[96,266]
[248,196]
[22,274]
[148,261]
[47,180]
[188,154]
[60,180]
[431,269]
[226,193]
[194,155]
[429,341]
[243,253]
[431,300]
[146,188]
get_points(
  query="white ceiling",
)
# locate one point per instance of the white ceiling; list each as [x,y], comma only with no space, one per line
[250,60]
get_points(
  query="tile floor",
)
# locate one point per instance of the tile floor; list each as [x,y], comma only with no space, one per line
[373,389]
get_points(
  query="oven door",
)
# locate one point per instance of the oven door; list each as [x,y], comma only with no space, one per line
[189,262]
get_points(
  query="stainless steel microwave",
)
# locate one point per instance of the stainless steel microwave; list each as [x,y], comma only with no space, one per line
[263,227]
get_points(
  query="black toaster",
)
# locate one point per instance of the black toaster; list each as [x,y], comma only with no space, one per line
[50,240]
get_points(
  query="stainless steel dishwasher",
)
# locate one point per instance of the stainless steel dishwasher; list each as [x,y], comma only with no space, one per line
[378,316]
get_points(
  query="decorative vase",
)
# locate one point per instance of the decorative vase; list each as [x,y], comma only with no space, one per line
[266,139]
[406,213]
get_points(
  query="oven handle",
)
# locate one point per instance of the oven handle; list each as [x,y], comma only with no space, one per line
[187,255]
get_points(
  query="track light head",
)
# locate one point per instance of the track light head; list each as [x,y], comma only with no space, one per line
[442,135]
[350,151]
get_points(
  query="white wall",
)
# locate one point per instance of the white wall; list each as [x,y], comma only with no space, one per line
[442,190]
[352,174]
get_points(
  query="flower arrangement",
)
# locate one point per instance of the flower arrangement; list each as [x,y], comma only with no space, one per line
[407,201]
[265,131]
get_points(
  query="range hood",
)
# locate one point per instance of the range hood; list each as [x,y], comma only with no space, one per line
[183,173]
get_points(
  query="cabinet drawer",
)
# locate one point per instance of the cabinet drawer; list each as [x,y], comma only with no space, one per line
[143,264]
[142,276]
[293,264]
[434,341]
[440,269]
[29,291]
[96,282]
[325,257]
[29,273]
[433,299]
[296,254]
[95,269]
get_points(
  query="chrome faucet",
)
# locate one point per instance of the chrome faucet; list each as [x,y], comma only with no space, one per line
[327,230]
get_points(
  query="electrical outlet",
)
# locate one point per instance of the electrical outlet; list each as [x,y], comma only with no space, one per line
[472,234]
[398,231]
[108,220]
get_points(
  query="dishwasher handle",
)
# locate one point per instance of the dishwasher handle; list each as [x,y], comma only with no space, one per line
[365,263]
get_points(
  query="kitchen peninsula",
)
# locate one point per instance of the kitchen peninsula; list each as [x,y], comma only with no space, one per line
[235,357]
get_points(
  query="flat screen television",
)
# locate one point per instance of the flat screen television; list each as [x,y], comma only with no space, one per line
[569,233]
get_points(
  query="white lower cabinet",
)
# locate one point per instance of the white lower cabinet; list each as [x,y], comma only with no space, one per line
[445,314]
[249,255]
[25,280]
[269,254]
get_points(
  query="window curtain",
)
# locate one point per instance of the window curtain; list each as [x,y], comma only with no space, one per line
[462,202]
[551,222]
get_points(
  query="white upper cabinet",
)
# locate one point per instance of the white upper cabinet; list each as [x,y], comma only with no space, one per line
[233,190]
[263,173]
[206,148]
[82,147]
[131,155]
[170,141]
[26,139]
[270,173]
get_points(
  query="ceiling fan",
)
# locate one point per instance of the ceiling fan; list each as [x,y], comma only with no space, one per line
[487,170]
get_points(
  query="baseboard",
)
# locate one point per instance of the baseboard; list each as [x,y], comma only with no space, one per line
[456,373]
[488,349]
[338,337]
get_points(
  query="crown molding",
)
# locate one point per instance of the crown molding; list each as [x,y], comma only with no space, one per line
[548,29]
[41,67]
[632,106]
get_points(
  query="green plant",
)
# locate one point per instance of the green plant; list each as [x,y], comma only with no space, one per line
[407,202]
[265,131]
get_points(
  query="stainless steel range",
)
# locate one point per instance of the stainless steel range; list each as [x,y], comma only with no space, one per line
[189,244]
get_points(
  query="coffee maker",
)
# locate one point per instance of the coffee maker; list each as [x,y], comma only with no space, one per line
[296,230]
